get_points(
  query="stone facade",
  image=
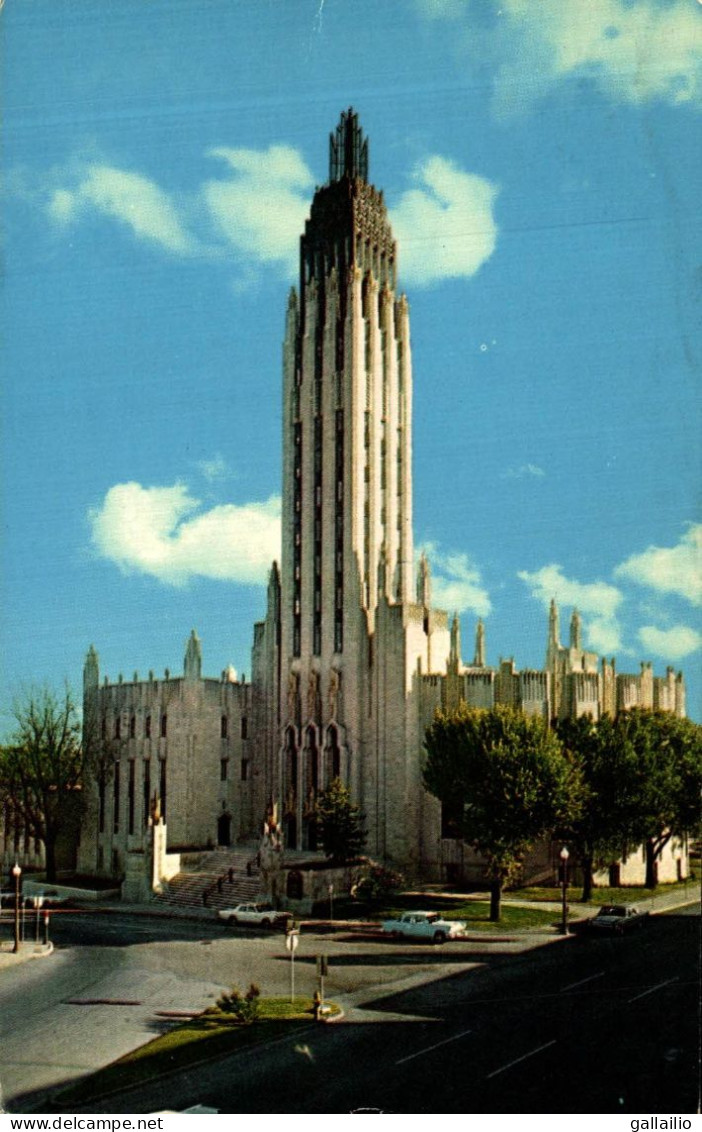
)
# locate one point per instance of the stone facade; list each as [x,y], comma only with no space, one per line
[184,740]
[351,659]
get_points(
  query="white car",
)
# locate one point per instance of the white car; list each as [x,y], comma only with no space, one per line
[257,915]
[424,925]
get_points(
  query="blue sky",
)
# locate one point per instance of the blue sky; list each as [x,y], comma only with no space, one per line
[541,162]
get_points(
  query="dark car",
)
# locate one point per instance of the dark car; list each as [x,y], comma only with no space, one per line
[617,918]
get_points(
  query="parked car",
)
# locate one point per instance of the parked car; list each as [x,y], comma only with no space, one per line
[617,918]
[258,915]
[423,925]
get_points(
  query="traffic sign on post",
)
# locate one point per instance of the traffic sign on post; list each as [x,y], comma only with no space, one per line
[292,940]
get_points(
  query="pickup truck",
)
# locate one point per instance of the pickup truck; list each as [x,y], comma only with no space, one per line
[617,918]
[423,925]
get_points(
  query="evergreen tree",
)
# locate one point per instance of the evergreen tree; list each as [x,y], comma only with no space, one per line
[339,823]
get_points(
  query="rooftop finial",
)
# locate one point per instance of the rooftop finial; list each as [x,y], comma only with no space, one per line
[348,149]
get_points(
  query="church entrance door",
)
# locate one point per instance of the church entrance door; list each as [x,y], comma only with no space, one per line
[224,829]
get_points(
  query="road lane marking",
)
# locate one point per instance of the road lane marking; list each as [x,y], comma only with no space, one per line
[652,989]
[572,986]
[430,1048]
[518,1059]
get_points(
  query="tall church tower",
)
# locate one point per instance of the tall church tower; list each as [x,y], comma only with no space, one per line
[347,554]
[347,412]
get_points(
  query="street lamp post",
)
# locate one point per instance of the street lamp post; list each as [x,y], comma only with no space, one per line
[564,855]
[17,873]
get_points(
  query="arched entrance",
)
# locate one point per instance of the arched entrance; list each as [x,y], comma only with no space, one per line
[224,829]
[310,788]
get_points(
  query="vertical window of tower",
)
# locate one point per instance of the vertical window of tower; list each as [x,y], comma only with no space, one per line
[317,600]
[297,535]
[339,535]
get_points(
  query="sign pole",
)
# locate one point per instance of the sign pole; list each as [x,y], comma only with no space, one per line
[292,939]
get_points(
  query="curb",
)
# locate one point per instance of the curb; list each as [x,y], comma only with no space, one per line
[10,959]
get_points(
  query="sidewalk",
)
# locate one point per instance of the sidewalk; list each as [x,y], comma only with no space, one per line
[27,951]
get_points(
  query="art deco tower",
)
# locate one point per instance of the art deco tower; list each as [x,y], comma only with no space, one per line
[347,412]
[347,485]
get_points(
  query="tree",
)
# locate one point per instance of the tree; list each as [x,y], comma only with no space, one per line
[41,767]
[604,827]
[507,779]
[339,823]
[664,753]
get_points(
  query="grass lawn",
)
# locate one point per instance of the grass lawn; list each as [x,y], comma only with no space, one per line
[208,1035]
[606,895]
[476,913]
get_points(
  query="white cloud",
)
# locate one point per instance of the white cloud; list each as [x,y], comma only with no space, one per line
[603,636]
[128,197]
[456,583]
[633,50]
[598,601]
[671,644]
[445,227]
[215,469]
[598,598]
[260,209]
[669,569]
[523,471]
[158,531]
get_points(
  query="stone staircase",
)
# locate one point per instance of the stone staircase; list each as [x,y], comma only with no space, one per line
[220,879]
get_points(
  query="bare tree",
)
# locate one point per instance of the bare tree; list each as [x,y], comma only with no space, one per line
[41,767]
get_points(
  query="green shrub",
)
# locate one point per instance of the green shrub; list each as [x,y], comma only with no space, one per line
[376,883]
[245,1008]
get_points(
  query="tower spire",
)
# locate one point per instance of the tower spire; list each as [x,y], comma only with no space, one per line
[193,658]
[455,645]
[348,149]
[575,631]
[423,582]
[553,630]
[479,660]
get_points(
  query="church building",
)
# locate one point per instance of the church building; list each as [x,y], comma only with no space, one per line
[352,658]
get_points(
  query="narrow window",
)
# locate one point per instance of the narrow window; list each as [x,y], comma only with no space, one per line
[162,788]
[147,791]
[164,726]
[103,728]
[224,727]
[244,727]
[223,769]
[244,770]
[147,727]
[116,798]
[118,728]
[130,796]
[132,727]
[101,788]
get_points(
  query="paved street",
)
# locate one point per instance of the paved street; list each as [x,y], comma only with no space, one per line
[579,1025]
[113,976]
